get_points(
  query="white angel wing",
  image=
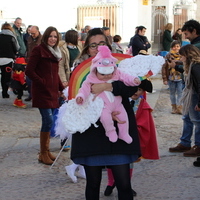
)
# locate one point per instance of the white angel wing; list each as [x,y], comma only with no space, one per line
[74,118]
[140,65]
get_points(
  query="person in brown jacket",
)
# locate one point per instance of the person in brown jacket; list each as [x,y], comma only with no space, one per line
[42,69]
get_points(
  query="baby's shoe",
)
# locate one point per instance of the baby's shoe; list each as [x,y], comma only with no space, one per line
[70,170]
[81,172]
[112,135]
[126,138]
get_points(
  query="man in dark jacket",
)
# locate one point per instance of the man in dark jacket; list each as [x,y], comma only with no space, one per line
[139,41]
[19,34]
[191,30]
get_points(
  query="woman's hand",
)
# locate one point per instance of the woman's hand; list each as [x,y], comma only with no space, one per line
[115,118]
[65,84]
[98,88]
[171,64]
[61,94]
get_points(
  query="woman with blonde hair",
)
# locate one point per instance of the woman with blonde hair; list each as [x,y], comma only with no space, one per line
[167,37]
[190,56]
[9,47]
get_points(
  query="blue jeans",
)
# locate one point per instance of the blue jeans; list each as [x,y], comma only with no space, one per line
[47,118]
[175,89]
[192,119]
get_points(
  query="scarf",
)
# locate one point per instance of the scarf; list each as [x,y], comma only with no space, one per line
[9,32]
[56,52]
[187,91]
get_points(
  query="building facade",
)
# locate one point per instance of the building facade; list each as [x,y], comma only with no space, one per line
[123,16]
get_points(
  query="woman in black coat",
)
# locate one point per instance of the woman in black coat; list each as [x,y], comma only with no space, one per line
[9,47]
[93,150]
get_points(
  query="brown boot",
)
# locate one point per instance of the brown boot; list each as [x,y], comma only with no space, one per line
[44,149]
[179,148]
[51,156]
[179,109]
[173,109]
[193,152]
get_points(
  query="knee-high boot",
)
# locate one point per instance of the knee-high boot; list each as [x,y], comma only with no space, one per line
[44,149]
[51,156]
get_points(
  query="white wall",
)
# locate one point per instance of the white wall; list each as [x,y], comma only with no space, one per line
[135,14]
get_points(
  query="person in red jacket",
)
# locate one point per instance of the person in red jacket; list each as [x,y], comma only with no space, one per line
[18,82]
[146,130]
[47,87]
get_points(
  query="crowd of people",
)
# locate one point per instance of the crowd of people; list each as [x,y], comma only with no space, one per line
[48,64]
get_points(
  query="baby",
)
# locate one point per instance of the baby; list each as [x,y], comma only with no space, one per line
[104,69]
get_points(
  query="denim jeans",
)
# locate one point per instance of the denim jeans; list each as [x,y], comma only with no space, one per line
[175,89]
[192,119]
[47,119]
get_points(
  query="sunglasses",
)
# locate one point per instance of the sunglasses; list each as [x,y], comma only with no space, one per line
[95,45]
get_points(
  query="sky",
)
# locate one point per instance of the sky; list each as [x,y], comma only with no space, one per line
[43,13]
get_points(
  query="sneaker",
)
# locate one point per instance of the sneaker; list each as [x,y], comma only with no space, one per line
[179,148]
[193,152]
[18,103]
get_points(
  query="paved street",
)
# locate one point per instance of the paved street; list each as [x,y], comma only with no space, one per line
[173,177]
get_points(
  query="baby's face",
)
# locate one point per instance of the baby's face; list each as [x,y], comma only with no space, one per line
[138,94]
[104,77]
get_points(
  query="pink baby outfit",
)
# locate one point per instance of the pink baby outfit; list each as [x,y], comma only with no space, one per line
[111,103]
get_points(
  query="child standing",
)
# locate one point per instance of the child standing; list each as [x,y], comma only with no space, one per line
[18,82]
[173,78]
[104,69]
[146,130]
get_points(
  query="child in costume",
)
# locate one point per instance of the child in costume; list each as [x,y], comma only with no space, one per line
[146,130]
[104,69]
[18,82]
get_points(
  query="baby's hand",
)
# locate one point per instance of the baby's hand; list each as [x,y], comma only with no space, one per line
[137,81]
[79,100]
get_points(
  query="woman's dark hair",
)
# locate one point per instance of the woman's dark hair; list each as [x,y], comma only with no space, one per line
[47,33]
[174,43]
[117,38]
[93,32]
[71,36]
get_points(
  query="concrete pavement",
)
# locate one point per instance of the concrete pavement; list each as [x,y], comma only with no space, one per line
[173,177]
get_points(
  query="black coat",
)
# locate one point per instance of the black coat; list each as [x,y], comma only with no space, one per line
[7,47]
[139,42]
[94,141]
